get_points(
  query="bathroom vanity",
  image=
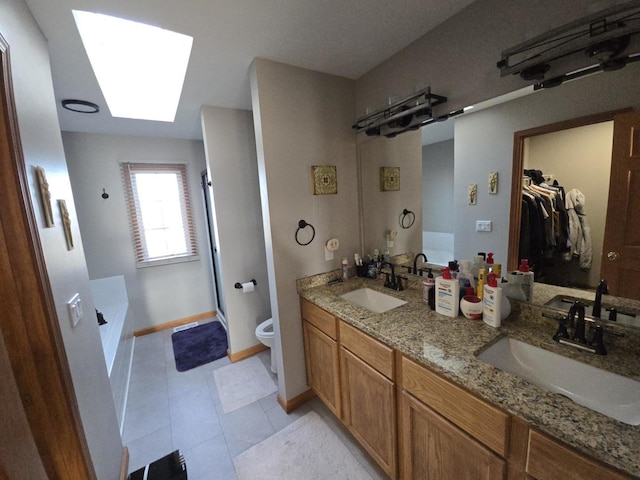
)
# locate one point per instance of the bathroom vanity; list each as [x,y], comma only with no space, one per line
[409,386]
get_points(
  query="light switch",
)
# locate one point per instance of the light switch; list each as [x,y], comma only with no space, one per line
[75,309]
[483,225]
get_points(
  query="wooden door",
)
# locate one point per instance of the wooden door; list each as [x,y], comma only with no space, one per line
[369,409]
[322,366]
[621,252]
[435,449]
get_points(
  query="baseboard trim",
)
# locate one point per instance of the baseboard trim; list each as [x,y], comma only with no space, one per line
[246,353]
[175,323]
[290,405]
[124,465]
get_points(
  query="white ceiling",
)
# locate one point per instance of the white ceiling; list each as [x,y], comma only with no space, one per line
[340,37]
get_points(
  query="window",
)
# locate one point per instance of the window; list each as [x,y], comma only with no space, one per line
[159,213]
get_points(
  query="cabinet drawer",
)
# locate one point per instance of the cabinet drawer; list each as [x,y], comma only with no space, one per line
[370,350]
[548,460]
[478,418]
[322,320]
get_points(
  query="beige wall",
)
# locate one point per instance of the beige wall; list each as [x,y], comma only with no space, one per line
[302,118]
[579,158]
[231,159]
[67,270]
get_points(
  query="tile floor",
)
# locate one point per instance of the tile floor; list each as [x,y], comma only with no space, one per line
[169,410]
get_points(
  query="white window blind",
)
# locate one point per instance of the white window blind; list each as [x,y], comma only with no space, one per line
[159,213]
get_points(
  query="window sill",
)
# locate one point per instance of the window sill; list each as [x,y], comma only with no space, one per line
[168,261]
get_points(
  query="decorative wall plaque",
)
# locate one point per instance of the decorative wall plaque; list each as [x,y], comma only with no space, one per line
[325,180]
[45,196]
[493,183]
[389,179]
[66,223]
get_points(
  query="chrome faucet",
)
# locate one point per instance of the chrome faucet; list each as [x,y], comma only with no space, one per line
[415,262]
[602,289]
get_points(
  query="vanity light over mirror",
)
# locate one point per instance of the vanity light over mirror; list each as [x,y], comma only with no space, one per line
[435,175]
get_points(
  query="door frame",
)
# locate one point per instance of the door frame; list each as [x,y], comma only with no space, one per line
[518,165]
[29,323]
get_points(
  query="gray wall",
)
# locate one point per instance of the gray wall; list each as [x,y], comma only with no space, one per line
[158,294]
[437,187]
[67,270]
[302,118]
[231,159]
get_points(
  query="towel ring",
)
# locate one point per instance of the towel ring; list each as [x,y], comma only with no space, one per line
[407,218]
[302,225]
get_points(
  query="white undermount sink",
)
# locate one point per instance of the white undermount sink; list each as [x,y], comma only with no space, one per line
[373,300]
[605,392]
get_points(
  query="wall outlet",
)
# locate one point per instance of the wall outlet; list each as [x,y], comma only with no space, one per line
[483,225]
[75,309]
[328,254]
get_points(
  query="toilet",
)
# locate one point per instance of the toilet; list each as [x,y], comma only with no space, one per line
[264,333]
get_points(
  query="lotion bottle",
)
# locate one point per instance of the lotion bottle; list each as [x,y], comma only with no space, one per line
[495,306]
[447,294]
[491,302]
[527,279]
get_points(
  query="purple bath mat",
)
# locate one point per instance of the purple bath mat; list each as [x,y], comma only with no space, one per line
[199,345]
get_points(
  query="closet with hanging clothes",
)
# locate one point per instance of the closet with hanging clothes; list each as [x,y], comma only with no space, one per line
[554,230]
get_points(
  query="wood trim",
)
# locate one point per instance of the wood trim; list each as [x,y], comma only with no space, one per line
[290,405]
[518,162]
[124,465]
[175,323]
[399,414]
[29,322]
[518,448]
[246,353]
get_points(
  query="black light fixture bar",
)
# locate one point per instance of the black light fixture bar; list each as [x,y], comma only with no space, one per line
[560,79]
[575,37]
[403,109]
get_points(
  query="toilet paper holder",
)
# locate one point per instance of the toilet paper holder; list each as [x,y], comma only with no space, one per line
[238,285]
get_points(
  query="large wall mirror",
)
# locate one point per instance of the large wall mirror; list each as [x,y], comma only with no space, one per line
[483,141]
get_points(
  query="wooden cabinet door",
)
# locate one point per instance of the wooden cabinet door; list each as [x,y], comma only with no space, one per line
[322,360]
[435,449]
[369,409]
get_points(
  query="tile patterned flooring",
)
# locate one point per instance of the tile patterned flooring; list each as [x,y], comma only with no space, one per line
[169,410]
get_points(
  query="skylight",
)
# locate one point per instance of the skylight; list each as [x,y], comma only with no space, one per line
[140,68]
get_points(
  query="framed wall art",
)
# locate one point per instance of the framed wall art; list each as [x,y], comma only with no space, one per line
[389,179]
[325,180]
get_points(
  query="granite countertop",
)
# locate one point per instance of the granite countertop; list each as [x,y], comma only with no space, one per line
[449,345]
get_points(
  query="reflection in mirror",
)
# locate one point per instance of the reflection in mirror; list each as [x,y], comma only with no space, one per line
[484,142]
[438,214]
[564,201]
